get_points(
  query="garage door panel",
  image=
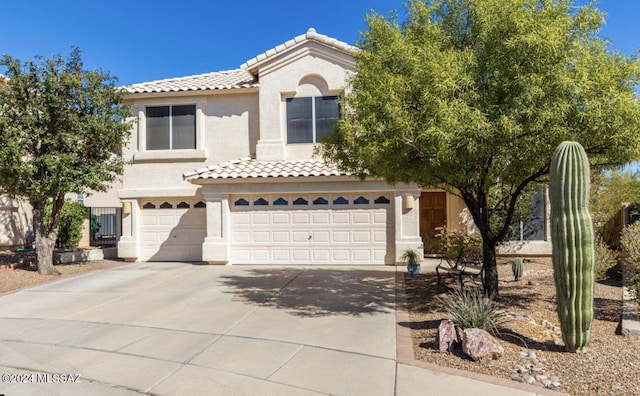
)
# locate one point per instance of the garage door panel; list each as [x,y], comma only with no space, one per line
[341,236]
[301,255]
[261,218]
[261,236]
[278,218]
[300,218]
[340,217]
[149,220]
[300,236]
[241,218]
[281,236]
[320,218]
[281,255]
[167,220]
[321,236]
[361,217]
[242,236]
[362,236]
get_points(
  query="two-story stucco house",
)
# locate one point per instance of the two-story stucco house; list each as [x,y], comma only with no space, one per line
[222,170]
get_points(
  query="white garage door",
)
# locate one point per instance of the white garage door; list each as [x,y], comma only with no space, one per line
[172,230]
[320,229]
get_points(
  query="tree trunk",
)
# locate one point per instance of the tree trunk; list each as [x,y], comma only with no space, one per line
[490,280]
[45,242]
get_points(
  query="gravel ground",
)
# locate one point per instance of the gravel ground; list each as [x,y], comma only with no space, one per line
[610,367]
[16,279]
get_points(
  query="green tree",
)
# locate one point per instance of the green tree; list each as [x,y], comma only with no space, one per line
[62,130]
[475,95]
[609,190]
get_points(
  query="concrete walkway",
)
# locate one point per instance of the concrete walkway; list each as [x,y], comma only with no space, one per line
[183,329]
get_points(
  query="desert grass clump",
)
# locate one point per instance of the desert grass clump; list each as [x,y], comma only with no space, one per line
[472,309]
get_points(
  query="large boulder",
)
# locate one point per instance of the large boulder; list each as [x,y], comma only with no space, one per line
[446,337]
[478,345]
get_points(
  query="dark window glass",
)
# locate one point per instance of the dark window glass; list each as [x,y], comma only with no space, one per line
[299,120]
[200,205]
[340,201]
[158,128]
[280,202]
[241,202]
[182,205]
[184,127]
[301,201]
[148,205]
[320,201]
[382,200]
[166,205]
[260,202]
[361,201]
[327,114]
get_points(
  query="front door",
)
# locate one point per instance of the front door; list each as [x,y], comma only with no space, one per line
[433,214]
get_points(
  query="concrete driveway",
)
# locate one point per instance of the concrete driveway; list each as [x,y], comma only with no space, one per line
[183,329]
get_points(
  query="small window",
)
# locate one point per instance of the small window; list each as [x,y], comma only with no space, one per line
[320,201]
[200,204]
[281,202]
[148,205]
[241,202]
[382,200]
[301,201]
[182,205]
[361,201]
[340,201]
[166,205]
[260,202]
[171,127]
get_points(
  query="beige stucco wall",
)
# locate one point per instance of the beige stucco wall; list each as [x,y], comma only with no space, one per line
[15,222]
[311,70]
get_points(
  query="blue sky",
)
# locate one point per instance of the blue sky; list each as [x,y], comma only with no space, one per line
[141,40]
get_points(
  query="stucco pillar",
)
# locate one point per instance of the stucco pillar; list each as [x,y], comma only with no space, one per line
[216,248]
[128,245]
[407,215]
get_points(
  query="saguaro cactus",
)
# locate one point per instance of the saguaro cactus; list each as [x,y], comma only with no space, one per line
[518,268]
[573,243]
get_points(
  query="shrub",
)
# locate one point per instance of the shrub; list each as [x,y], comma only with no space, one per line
[448,244]
[630,255]
[471,309]
[71,218]
[605,259]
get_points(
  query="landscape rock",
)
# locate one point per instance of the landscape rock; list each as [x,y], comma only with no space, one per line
[446,337]
[478,345]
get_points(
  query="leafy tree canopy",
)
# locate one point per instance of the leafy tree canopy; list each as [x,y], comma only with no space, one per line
[62,130]
[475,95]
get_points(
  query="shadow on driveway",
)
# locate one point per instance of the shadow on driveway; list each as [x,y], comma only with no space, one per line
[316,292]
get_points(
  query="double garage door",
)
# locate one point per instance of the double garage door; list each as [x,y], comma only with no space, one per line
[311,229]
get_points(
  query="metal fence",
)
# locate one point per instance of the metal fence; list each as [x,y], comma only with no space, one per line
[103,226]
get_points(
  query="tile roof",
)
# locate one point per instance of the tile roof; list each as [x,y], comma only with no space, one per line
[230,79]
[310,35]
[246,168]
[233,79]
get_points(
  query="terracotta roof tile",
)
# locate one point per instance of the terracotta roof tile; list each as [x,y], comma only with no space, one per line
[245,168]
[231,79]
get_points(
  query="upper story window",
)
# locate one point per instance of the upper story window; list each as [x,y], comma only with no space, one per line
[171,127]
[309,119]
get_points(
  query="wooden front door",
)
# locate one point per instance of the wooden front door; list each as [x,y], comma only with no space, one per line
[433,214]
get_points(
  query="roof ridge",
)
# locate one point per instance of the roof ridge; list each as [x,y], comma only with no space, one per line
[311,34]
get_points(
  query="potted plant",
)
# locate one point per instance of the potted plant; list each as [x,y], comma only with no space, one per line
[412,259]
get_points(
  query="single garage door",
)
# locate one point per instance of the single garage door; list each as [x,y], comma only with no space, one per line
[173,230]
[317,229]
